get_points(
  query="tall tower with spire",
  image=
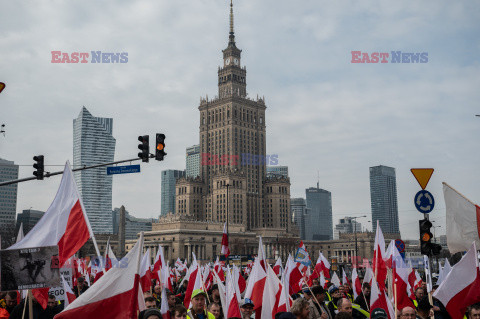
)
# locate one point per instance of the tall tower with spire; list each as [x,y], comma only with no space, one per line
[233,157]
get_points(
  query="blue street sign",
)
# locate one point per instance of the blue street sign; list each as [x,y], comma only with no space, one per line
[424,201]
[400,245]
[123,169]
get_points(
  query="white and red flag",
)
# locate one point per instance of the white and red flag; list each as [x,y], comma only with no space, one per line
[256,286]
[302,258]
[278,267]
[225,250]
[400,274]
[145,272]
[65,223]
[294,277]
[115,295]
[69,294]
[217,267]
[158,263]
[345,280]
[241,283]
[233,308]
[379,299]
[356,284]
[164,308]
[463,221]
[461,287]
[378,262]
[194,281]
[110,258]
[322,266]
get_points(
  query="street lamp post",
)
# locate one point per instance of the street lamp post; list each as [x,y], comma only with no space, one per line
[355,234]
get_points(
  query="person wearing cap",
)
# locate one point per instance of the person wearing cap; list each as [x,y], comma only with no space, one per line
[318,309]
[336,296]
[246,309]
[378,313]
[307,294]
[198,310]
[152,313]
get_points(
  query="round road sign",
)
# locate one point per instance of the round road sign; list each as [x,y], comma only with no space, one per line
[424,202]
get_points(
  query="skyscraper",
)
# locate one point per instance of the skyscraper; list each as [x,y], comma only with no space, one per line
[346,225]
[300,216]
[319,205]
[28,218]
[233,177]
[93,143]
[8,200]
[383,194]
[169,178]
[193,161]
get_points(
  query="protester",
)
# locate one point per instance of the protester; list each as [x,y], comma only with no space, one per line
[378,313]
[318,309]
[246,309]
[17,312]
[215,296]
[152,314]
[301,308]
[343,315]
[216,310]
[408,313]
[363,299]
[10,301]
[336,295]
[150,303]
[179,312]
[424,308]
[474,311]
[81,287]
[52,308]
[419,293]
[198,311]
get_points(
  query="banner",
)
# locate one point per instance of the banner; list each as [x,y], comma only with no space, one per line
[29,268]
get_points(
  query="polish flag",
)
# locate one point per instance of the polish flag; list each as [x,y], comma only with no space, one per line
[115,295]
[345,280]
[222,292]
[225,250]
[194,281]
[444,272]
[461,287]
[158,263]
[378,299]
[110,259]
[145,273]
[68,292]
[378,262]
[335,280]
[271,295]
[357,285]
[233,308]
[278,267]
[389,254]
[256,286]
[285,301]
[463,221]
[261,254]
[294,276]
[323,282]
[65,223]
[241,283]
[322,265]
[368,277]
[164,308]
[217,267]
[400,279]
[41,295]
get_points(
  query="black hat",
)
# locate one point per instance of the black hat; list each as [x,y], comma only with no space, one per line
[317,290]
[152,312]
[378,313]
[214,287]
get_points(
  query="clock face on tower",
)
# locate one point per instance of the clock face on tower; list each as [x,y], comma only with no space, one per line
[227,61]
[235,61]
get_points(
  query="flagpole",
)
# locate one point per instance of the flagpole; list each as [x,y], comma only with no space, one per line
[25,305]
[30,304]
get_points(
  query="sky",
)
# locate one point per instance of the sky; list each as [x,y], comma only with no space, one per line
[328,119]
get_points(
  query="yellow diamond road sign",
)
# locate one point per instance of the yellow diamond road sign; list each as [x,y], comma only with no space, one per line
[422,175]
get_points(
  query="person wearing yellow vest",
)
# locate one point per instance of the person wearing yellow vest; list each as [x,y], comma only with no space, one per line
[198,310]
[419,293]
[345,305]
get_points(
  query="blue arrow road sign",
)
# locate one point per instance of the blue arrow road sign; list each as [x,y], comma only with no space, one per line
[424,202]
[123,169]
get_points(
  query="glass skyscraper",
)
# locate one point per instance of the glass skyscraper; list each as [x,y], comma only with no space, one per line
[193,161]
[319,205]
[93,143]
[169,178]
[8,199]
[383,194]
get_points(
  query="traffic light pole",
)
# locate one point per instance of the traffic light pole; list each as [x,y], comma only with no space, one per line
[73,170]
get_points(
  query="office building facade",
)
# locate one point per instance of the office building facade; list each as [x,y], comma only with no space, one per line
[346,225]
[277,171]
[168,180]
[8,198]
[193,161]
[383,194]
[319,205]
[93,143]
[28,218]
[300,217]
[133,225]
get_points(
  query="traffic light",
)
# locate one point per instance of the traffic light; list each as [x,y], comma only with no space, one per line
[38,166]
[144,147]
[425,237]
[160,147]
